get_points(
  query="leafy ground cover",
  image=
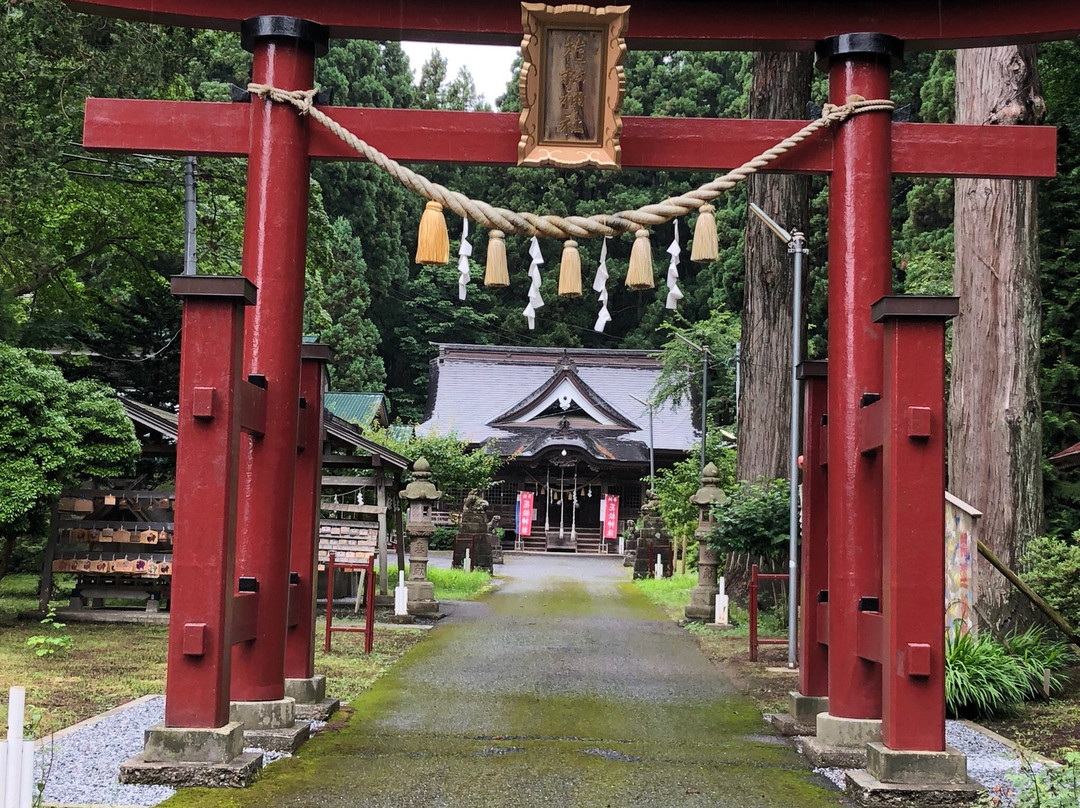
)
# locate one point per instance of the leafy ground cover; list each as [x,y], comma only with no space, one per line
[110,664]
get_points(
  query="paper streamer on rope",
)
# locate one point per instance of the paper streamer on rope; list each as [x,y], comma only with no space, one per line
[464,251]
[599,285]
[535,300]
[674,294]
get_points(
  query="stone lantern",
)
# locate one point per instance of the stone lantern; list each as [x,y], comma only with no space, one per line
[703,596]
[420,496]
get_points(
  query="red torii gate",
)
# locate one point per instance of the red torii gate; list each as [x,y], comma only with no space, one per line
[861,156]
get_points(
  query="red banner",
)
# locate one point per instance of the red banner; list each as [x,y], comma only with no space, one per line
[525,513]
[611,516]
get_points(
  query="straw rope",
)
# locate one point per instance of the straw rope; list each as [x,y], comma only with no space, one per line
[575,227]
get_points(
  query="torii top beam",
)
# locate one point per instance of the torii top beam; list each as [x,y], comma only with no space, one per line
[654,24]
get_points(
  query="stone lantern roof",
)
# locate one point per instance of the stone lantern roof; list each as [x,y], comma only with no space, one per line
[421,488]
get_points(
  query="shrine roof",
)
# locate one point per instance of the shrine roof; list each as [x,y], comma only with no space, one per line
[1067,458]
[529,400]
[362,409]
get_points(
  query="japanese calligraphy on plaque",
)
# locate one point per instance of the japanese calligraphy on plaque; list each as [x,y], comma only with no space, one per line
[572,85]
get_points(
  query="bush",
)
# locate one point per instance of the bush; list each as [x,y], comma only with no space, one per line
[1036,786]
[755,521]
[1036,653]
[981,677]
[443,538]
[1053,570]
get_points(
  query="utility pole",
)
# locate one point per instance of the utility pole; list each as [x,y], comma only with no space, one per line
[796,242]
[650,405]
[704,349]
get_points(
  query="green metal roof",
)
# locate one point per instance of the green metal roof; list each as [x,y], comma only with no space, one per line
[362,409]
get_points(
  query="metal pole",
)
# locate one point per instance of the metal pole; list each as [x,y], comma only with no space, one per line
[704,400]
[652,459]
[738,377]
[189,215]
[797,246]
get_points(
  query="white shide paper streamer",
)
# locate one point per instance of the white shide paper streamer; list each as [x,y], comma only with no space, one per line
[674,293]
[463,260]
[535,300]
[599,285]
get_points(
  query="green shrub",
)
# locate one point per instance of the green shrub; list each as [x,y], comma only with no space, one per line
[1036,653]
[754,521]
[443,538]
[981,677]
[1053,570]
[1042,787]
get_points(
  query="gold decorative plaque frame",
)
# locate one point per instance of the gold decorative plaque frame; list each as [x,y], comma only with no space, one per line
[572,85]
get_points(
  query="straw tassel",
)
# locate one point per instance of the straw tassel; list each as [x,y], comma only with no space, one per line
[640,274]
[433,243]
[570,270]
[706,246]
[496,273]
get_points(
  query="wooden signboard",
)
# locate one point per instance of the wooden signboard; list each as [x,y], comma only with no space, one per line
[572,85]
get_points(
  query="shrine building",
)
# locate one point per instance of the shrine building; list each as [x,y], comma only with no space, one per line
[568,426]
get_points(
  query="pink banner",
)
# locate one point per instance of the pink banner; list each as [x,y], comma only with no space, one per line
[525,513]
[611,516]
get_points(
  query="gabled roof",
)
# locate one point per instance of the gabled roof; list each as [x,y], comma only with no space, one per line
[564,390]
[477,393]
[362,409]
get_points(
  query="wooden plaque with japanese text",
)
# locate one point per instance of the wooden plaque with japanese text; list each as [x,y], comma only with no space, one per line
[572,85]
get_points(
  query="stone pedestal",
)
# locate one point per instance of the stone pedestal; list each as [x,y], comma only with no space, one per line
[180,756]
[312,703]
[654,540]
[630,547]
[841,742]
[421,591]
[473,535]
[703,596]
[801,718]
[895,777]
[495,540]
[271,724]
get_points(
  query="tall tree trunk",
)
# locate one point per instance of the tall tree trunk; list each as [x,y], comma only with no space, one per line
[995,432]
[780,88]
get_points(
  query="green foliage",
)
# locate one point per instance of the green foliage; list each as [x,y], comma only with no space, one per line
[1037,653]
[52,643]
[1039,786]
[52,432]
[1052,569]
[675,485]
[452,584]
[443,538]
[680,375]
[755,521]
[453,464]
[981,678]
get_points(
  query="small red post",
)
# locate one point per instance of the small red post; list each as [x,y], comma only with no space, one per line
[304,547]
[913,455]
[208,441]
[751,596]
[814,585]
[860,272]
[275,242]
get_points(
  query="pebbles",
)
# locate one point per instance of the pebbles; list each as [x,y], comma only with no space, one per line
[83,767]
[988,761]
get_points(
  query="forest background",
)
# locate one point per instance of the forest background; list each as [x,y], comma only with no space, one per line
[88,242]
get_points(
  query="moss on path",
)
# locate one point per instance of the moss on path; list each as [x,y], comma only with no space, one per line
[559,691]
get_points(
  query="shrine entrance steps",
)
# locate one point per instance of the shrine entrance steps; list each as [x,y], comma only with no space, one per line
[564,687]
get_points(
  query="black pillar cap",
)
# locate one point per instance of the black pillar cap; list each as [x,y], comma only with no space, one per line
[304,32]
[877,47]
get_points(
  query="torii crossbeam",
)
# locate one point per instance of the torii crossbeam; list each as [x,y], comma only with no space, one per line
[860,157]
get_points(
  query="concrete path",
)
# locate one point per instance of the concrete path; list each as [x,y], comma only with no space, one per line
[563,688]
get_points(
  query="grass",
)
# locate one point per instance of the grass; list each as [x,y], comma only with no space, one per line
[670,594]
[451,584]
[110,664]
